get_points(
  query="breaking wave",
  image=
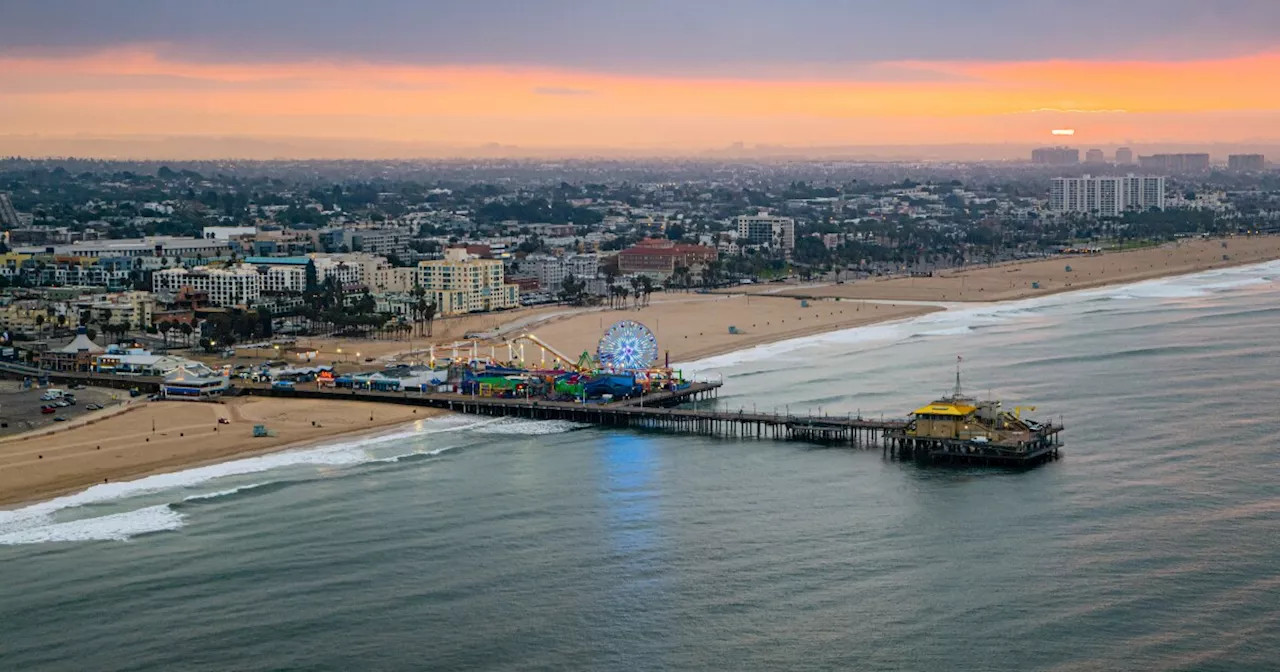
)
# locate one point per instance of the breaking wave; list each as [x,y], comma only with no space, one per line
[961,318]
[55,520]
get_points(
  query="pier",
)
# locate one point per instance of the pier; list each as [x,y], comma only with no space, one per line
[665,411]
[674,411]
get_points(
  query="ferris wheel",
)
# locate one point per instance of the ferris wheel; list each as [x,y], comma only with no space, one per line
[628,345]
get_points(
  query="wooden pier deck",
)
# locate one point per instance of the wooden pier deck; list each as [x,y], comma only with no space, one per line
[662,411]
[673,411]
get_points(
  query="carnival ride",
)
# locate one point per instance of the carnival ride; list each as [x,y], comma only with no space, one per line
[627,346]
[625,365]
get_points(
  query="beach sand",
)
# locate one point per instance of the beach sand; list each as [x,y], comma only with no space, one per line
[688,326]
[123,446]
[1015,280]
[694,326]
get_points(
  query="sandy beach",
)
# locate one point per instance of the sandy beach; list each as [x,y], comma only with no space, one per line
[689,326]
[123,446]
[694,326]
[1018,280]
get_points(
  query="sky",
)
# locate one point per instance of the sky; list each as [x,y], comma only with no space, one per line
[659,74]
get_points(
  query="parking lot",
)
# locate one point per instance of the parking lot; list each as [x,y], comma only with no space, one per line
[20,408]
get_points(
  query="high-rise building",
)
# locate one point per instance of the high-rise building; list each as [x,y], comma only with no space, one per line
[1124,156]
[767,229]
[1055,156]
[1106,196]
[8,216]
[1094,156]
[1175,163]
[461,283]
[1247,162]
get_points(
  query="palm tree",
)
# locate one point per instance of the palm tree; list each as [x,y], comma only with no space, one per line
[646,286]
[186,332]
[635,288]
[40,322]
[165,327]
[429,314]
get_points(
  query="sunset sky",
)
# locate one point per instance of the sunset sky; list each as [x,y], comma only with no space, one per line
[656,74]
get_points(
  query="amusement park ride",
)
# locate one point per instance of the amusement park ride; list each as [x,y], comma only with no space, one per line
[624,365]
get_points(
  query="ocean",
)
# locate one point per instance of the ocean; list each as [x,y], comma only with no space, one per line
[463,543]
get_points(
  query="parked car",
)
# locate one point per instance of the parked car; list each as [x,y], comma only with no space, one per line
[48,410]
[59,419]
[78,386]
[93,407]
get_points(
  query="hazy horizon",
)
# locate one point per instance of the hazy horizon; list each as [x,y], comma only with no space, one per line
[207,148]
[658,78]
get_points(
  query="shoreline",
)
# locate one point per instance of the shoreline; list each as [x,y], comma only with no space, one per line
[43,467]
[1019,279]
[276,411]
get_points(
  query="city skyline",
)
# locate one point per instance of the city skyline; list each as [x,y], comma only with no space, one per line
[663,77]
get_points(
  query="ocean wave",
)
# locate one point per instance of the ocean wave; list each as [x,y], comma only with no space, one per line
[35,522]
[951,331]
[525,427]
[223,493]
[112,527]
[960,318]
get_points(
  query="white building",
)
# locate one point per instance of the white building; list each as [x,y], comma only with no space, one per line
[583,266]
[550,271]
[152,246]
[227,232]
[1106,196]
[382,241]
[240,285]
[780,232]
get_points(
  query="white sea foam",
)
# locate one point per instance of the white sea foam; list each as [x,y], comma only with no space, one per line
[960,318]
[523,427]
[221,493]
[33,523]
[113,527]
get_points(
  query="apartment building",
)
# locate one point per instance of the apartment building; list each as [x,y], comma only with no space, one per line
[135,310]
[779,232]
[1254,162]
[1055,156]
[1106,196]
[239,285]
[549,271]
[1175,163]
[461,283]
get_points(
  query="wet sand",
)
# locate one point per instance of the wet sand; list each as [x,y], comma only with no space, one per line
[123,446]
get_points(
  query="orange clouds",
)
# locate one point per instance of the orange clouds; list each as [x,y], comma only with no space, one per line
[136,92]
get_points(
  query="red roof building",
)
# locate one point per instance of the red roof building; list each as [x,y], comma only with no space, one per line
[655,256]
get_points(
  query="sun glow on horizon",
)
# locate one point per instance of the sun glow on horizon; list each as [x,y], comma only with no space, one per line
[135,91]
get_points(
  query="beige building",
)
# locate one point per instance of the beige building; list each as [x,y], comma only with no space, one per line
[28,317]
[132,309]
[461,283]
